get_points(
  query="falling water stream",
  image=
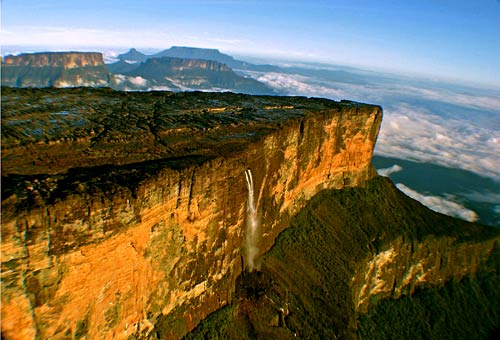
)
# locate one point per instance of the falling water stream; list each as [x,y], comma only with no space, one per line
[251,237]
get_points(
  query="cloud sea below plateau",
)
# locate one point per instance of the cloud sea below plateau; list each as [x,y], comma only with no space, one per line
[455,126]
[427,123]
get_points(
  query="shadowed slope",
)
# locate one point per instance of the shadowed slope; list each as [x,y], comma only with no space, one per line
[306,287]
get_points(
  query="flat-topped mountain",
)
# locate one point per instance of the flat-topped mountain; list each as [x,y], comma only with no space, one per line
[184,52]
[73,69]
[189,74]
[58,69]
[55,59]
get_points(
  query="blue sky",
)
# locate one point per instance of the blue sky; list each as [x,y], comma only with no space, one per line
[451,39]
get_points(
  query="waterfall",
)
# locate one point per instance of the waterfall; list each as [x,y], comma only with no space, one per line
[251,237]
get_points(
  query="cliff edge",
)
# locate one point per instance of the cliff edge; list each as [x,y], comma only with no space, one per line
[123,210]
[55,69]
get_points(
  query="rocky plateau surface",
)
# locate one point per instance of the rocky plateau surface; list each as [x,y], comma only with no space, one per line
[125,211]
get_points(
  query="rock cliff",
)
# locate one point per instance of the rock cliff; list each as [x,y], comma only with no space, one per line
[125,211]
[367,263]
[56,59]
[57,69]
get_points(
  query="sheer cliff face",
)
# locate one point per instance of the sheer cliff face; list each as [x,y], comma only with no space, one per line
[57,69]
[56,59]
[107,252]
[403,267]
[349,252]
[177,64]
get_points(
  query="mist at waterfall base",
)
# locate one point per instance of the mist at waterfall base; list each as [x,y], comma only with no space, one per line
[251,248]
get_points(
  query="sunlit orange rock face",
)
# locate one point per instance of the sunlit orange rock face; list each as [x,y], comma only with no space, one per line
[56,59]
[55,69]
[108,252]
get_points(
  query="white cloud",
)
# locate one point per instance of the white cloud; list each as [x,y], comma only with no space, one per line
[413,127]
[390,170]
[443,205]
[484,197]
[139,81]
[453,97]
[414,133]
[63,38]
[76,37]
[297,85]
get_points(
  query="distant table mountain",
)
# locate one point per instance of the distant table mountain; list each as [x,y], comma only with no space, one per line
[184,74]
[198,53]
[55,69]
[74,69]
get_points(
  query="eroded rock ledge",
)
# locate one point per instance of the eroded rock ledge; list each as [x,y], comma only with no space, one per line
[122,209]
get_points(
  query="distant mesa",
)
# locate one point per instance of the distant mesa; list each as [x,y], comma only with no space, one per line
[187,74]
[55,59]
[176,69]
[55,69]
[198,53]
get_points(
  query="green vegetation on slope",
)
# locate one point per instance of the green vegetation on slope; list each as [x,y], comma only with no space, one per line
[468,309]
[303,289]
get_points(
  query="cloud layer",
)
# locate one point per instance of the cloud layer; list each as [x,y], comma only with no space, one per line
[444,124]
[442,205]
[386,172]
[414,133]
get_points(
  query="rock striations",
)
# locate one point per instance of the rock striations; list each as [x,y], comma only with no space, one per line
[57,69]
[129,215]
[124,210]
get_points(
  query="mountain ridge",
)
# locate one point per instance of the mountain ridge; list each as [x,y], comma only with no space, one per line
[185,52]
[179,73]
[73,69]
